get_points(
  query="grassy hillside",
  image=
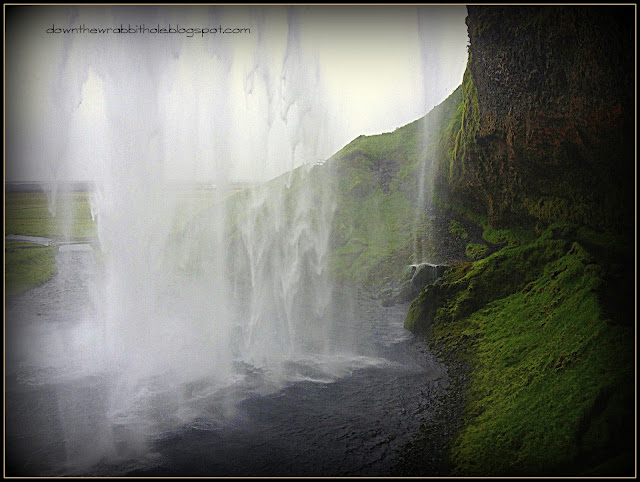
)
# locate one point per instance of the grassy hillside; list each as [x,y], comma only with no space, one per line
[381,218]
[378,218]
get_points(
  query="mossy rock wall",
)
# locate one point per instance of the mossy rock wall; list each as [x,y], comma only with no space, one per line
[541,153]
[545,129]
[551,353]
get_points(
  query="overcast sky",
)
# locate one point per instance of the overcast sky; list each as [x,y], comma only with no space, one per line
[296,87]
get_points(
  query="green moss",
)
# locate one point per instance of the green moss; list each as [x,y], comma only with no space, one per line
[510,237]
[551,389]
[454,172]
[466,123]
[457,229]
[476,251]
[422,310]
[515,235]
[542,359]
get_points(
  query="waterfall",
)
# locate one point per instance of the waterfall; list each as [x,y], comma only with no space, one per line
[196,288]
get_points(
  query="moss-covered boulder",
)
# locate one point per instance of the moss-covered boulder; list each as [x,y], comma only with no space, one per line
[476,251]
[551,361]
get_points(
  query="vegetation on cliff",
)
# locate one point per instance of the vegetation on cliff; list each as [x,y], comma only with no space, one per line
[542,133]
[380,220]
[378,189]
[539,155]
[533,205]
[551,354]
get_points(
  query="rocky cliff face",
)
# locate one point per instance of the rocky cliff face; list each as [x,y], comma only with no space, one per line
[545,132]
[542,147]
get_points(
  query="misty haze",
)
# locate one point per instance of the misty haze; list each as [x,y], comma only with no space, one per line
[317,241]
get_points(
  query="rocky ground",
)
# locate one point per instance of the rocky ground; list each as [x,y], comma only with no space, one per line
[428,455]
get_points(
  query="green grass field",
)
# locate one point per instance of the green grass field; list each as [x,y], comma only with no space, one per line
[28,214]
[28,265]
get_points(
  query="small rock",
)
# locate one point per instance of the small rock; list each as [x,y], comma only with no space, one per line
[427,273]
[406,292]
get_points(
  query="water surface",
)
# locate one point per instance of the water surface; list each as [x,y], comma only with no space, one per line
[342,413]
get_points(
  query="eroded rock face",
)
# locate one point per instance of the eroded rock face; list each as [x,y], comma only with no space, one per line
[426,273]
[547,127]
[414,278]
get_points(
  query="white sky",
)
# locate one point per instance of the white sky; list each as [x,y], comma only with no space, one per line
[301,85]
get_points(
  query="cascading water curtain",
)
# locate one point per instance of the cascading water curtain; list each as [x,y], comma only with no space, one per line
[196,288]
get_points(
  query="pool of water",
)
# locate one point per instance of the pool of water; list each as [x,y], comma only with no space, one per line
[335,414]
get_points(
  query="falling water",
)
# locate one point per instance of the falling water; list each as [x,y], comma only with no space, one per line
[194,293]
[435,37]
[167,316]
